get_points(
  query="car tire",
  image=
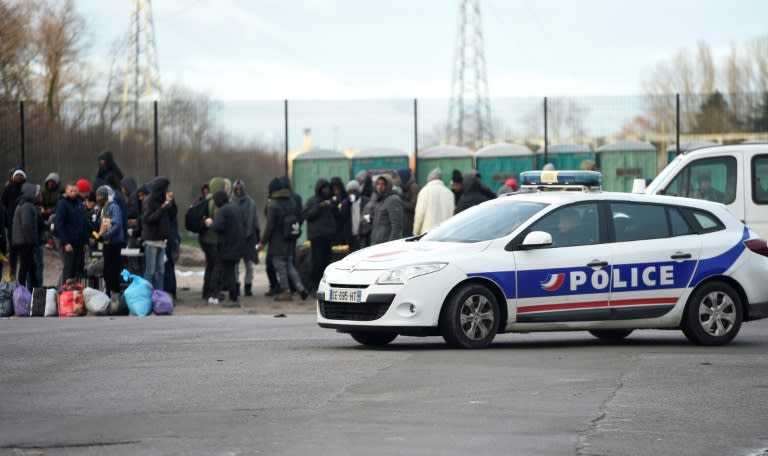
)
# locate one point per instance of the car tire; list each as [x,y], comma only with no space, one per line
[611,335]
[712,315]
[373,338]
[471,317]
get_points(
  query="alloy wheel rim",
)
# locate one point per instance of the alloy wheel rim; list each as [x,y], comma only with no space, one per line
[476,317]
[717,313]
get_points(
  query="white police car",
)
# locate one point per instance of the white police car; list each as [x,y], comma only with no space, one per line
[608,263]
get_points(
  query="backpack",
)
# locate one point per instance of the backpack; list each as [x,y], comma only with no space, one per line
[195,217]
[291,225]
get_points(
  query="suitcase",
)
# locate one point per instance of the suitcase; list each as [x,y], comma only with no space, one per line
[37,309]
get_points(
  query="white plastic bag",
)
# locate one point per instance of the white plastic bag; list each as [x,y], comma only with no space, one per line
[96,302]
[51,306]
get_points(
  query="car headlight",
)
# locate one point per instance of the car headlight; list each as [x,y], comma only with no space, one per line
[401,275]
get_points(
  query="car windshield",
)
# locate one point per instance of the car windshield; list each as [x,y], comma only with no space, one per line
[484,222]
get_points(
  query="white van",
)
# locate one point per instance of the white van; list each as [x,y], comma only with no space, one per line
[736,176]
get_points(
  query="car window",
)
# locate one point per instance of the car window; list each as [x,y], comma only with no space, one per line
[712,179]
[677,222]
[484,222]
[635,222]
[707,221]
[760,179]
[571,225]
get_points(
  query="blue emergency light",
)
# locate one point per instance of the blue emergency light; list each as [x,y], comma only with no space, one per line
[566,179]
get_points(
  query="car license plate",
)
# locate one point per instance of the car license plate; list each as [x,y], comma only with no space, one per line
[350,295]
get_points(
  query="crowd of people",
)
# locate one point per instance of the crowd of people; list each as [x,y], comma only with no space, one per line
[112,212]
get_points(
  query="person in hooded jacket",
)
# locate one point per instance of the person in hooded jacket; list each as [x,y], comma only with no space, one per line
[320,214]
[472,192]
[49,194]
[351,211]
[10,199]
[250,215]
[281,249]
[26,235]
[409,194]
[109,173]
[209,242]
[157,210]
[387,212]
[110,232]
[338,194]
[132,216]
[71,226]
[229,225]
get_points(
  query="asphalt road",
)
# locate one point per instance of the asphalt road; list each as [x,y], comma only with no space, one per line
[253,384]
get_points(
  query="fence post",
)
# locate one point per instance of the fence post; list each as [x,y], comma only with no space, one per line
[156,141]
[415,139]
[285,117]
[21,133]
[546,133]
[677,122]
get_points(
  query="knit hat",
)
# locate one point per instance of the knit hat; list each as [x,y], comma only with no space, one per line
[457,177]
[511,183]
[83,186]
[353,185]
[19,171]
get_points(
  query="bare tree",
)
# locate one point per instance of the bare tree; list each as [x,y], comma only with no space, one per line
[15,50]
[60,39]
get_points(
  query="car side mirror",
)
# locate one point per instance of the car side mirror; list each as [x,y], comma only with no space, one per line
[536,239]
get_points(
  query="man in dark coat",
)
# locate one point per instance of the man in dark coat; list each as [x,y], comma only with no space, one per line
[157,209]
[352,217]
[281,248]
[26,235]
[230,228]
[71,226]
[472,192]
[409,193]
[109,173]
[10,199]
[387,213]
[243,201]
[320,214]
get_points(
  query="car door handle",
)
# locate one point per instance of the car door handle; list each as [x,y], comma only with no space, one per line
[597,264]
[681,256]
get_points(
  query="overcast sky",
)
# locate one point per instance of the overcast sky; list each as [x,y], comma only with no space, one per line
[352,49]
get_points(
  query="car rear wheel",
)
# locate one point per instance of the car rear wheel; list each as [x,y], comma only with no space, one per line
[713,315]
[471,317]
[611,334]
[373,339]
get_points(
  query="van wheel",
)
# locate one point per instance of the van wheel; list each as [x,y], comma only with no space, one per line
[713,315]
[373,339]
[611,335]
[471,317]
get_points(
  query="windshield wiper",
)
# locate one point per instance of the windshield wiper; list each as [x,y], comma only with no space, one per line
[415,238]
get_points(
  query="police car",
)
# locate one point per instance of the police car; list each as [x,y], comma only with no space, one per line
[607,263]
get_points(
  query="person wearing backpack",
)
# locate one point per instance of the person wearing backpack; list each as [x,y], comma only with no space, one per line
[281,232]
[229,225]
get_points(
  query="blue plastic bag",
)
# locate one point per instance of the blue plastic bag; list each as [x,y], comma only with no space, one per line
[22,300]
[162,303]
[138,295]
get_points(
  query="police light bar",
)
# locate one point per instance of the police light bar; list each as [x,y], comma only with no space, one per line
[561,180]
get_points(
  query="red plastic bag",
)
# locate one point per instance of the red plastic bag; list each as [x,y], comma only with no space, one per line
[71,300]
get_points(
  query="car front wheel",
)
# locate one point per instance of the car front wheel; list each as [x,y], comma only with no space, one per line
[373,339]
[712,315]
[471,317]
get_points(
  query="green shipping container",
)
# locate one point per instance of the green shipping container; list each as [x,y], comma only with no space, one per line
[499,162]
[313,165]
[379,159]
[447,158]
[565,156]
[623,162]
[685,147]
